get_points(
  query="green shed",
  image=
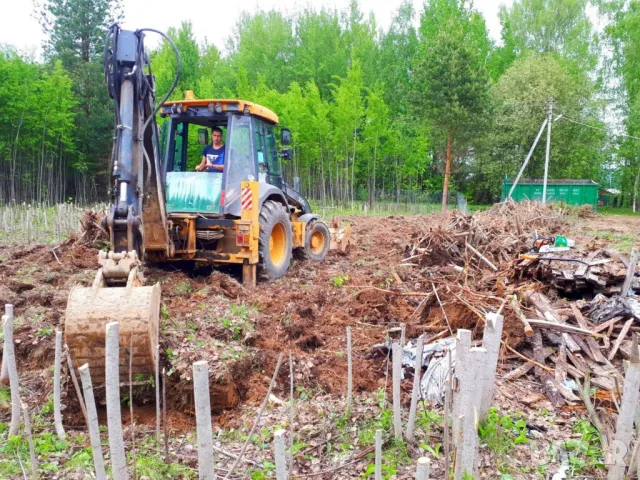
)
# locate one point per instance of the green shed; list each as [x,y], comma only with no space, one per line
[571,192]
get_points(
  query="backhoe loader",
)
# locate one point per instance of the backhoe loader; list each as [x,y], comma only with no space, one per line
[161,210]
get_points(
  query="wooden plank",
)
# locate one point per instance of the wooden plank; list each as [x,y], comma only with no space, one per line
[560,327]
[603,326]
[620,338]
[525,367]
[547,380]
[579,362]
[631,270]
[593,345]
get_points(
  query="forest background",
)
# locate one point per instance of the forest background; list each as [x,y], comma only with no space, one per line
[376,114]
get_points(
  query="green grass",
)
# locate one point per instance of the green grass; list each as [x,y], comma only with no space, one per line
[622,211]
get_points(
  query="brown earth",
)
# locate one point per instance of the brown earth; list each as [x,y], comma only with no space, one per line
[210,315]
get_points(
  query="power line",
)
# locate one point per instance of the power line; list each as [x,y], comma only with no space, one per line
[561,117]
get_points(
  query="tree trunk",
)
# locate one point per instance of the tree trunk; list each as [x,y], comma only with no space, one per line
[447,172]
[635,190]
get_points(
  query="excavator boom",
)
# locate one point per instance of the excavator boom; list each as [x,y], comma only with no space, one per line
[136,222]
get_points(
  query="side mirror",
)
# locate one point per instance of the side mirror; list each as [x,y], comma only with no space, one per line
[285,153]
[285,136]
[203,136]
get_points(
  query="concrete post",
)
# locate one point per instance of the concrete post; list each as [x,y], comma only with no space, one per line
[57,415]
[397,371]
[422,472]
[9,358]
[203,421]
[280,454]
[463,344]
[114,415]
[620,454]
[491,342]
[466,440]
[92,421]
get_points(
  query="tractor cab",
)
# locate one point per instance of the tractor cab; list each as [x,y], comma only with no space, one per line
[250,153]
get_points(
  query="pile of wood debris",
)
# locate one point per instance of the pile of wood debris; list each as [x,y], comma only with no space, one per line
[577,314]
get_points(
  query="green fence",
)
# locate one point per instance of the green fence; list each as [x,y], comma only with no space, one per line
[571,192]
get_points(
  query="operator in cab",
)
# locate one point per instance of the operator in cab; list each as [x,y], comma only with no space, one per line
[213,155]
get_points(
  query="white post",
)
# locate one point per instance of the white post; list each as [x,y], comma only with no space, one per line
[415,393]
[463,344]
[9,357]
[397,369]
[280,454]
[158,393]
[526,160]
[466,441]
[57,415]
[32,453]
[114,418]
[621,447]
[92,424]
[424,465]
[491,342]
[203,420]
[349,372]
[4,372]
[378,471]
[546,158]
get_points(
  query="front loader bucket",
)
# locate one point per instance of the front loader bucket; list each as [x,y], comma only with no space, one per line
[136,309]
[340,236]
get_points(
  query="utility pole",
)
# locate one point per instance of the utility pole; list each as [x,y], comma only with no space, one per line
[546,160]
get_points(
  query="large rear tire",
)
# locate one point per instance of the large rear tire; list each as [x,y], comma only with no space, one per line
[276,241]
[317,241]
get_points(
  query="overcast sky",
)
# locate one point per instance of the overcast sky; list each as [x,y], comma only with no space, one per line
[213,19]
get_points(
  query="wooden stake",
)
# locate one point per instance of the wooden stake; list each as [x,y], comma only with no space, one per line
[114,416]
[164,416]
[203,421]
[57,415]
[349,372]
[397,371]
[415,393]
[292,413]
[528,331]
[482,257]
[76,386]
[132,426]
[257,420]
[280,455]
[92,423]
[378,470]
[9,357]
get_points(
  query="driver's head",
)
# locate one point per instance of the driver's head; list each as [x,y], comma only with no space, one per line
[216,135]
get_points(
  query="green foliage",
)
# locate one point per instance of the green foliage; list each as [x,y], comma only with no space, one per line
[586,451]
[183,288]
[152,465]
[5,397]
[339,280]
[370,110]
[502,433]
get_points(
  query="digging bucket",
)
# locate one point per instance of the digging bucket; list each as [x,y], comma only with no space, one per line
[135,308]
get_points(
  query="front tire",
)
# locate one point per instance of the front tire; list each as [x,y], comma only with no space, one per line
[317,241]
[276,240]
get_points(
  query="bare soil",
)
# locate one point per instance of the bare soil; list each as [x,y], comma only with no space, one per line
[208,314]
